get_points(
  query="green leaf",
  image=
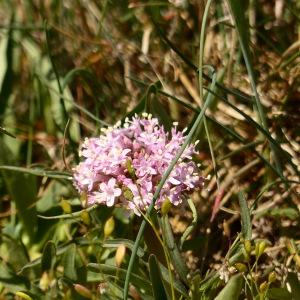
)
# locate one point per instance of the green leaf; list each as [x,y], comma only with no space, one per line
[11,281]
[6,71]
[245,216]
[22,189]
[69,263]
[17,254]
[177,284]
[117,242]
[232,289]
[175,255]
[279,294]
[155,276]
[4,131]
[38,172]
[49,256]
[289,212]
[71,74]
[238,12]
[137,280]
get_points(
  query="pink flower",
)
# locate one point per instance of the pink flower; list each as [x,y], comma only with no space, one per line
[125,164]
[109,192]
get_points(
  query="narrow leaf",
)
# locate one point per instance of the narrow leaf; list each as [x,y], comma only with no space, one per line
[232,289]
[238,13]
[155,276]
[69,263]
[245,216]
[22,189]
[49,256]
[175,255]
[137,280]
[6,71]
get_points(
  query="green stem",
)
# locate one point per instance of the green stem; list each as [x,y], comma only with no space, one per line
[160,186]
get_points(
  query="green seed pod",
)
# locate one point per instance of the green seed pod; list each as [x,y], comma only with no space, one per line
[263,287]
[120,254]
[66,206]
[260,248]
[272,277]
[23,296]
[109,227]
[130,168]
[83,291]
[247,246]
[83,199]
[241,267]
[85,217]
[166,206]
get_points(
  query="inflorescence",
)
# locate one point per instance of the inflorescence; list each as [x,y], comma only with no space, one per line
[125,164]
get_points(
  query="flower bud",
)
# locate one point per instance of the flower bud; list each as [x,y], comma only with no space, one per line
[166,206]
[109,227]
[83,291]
[85,217]
[83,198]
[260,248]
[130,168]
[120,254]
[66,206]
[247,250]
[127,193]
[241,267]
[272,277]
[263,287]
[102,287]
[247,246]
[44,281]
[23,296]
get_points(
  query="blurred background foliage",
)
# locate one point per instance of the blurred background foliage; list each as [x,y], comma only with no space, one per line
[68,68]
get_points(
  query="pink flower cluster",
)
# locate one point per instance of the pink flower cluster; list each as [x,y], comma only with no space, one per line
[125,164]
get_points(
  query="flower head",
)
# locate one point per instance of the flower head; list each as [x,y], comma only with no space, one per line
[125,164]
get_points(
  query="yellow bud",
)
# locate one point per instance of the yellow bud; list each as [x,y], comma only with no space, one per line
[109,227]
[241,267]
[263,287]
[90,249]
[166,206]
[85,217]
[44,281]
[272,277]
[23,296]
[83,291]
[66,206]
[260,248]
[83,198]
[120,253]
[247,246]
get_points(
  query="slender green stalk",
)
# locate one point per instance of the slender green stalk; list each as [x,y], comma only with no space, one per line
[160,186]
[239,19]
[30,132]
[39,172]
[201,47]
[201,57]
[55,73]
